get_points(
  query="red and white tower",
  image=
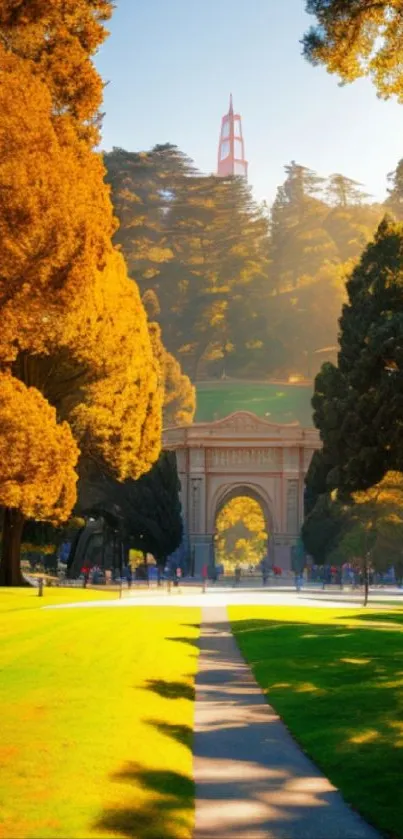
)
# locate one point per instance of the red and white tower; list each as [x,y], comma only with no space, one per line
[231,151]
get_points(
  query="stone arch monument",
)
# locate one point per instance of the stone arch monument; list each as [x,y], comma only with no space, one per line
[242,455]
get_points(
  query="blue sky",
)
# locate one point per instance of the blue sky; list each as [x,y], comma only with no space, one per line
[171,65]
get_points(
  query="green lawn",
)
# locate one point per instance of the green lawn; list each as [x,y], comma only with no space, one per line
[336,679]
[274,402]
[96,713]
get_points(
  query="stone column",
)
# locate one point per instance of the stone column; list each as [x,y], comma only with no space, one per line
[201,543]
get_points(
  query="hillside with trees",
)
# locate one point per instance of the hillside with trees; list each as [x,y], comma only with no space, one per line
[238,290]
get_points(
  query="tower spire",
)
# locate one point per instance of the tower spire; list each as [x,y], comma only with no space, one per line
[231,149]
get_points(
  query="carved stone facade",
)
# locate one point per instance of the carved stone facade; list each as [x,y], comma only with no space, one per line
[242,455]
[257,458]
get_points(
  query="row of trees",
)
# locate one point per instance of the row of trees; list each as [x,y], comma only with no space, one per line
[240,290]
[83,374]
[355,484]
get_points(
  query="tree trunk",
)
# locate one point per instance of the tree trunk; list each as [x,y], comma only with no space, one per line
[10,567]
[366,586]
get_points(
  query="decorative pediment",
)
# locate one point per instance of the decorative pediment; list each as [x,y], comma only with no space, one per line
[241,426]
[244,422]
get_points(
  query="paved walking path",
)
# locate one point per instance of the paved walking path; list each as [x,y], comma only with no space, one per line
[252,780]
[213,597]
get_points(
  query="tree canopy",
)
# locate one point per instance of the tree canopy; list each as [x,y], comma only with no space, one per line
[59,40]
[355,38]
[238,291]
[354,501]
[358,403]
[38,455]
[240,532]
[73,328]
[149,509]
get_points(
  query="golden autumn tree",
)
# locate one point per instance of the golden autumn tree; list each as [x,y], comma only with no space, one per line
[179,400]
[60,39]
[72,324]
[55,217]
[355,38]
[240,532]
[38,456]
[118,420]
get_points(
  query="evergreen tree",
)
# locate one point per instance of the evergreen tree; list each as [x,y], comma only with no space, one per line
[394,201]
[221,250]
[299,242]
[322,529]
[314,245]
[152,509]
[358,406]
[200,246]
[344,192]
[143,187]
[149,509]
[237,293]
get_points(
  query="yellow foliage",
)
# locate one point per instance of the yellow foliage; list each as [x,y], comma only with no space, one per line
[71,321]
[37,455]
[29,547]
[64,291]
[119,418]
[60,37]
[241,531]
[388,493]
[179,394]
[55,216]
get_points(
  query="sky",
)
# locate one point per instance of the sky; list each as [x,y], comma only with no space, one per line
[170,66]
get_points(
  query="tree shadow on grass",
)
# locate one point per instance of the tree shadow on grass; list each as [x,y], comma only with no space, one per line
[181,733]
[248,777]
[171,690]
[165,814]
[193,642]
[380,617]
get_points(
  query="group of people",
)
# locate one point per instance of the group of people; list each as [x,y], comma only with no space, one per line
[97,575]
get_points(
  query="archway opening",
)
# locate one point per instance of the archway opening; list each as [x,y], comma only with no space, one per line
[241,534]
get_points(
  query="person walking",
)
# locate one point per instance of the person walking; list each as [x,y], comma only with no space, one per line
[298,581]
[178,575]
[129,575]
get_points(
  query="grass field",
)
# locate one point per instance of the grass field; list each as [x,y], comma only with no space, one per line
[336,679]
[96,718]
[274,402]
